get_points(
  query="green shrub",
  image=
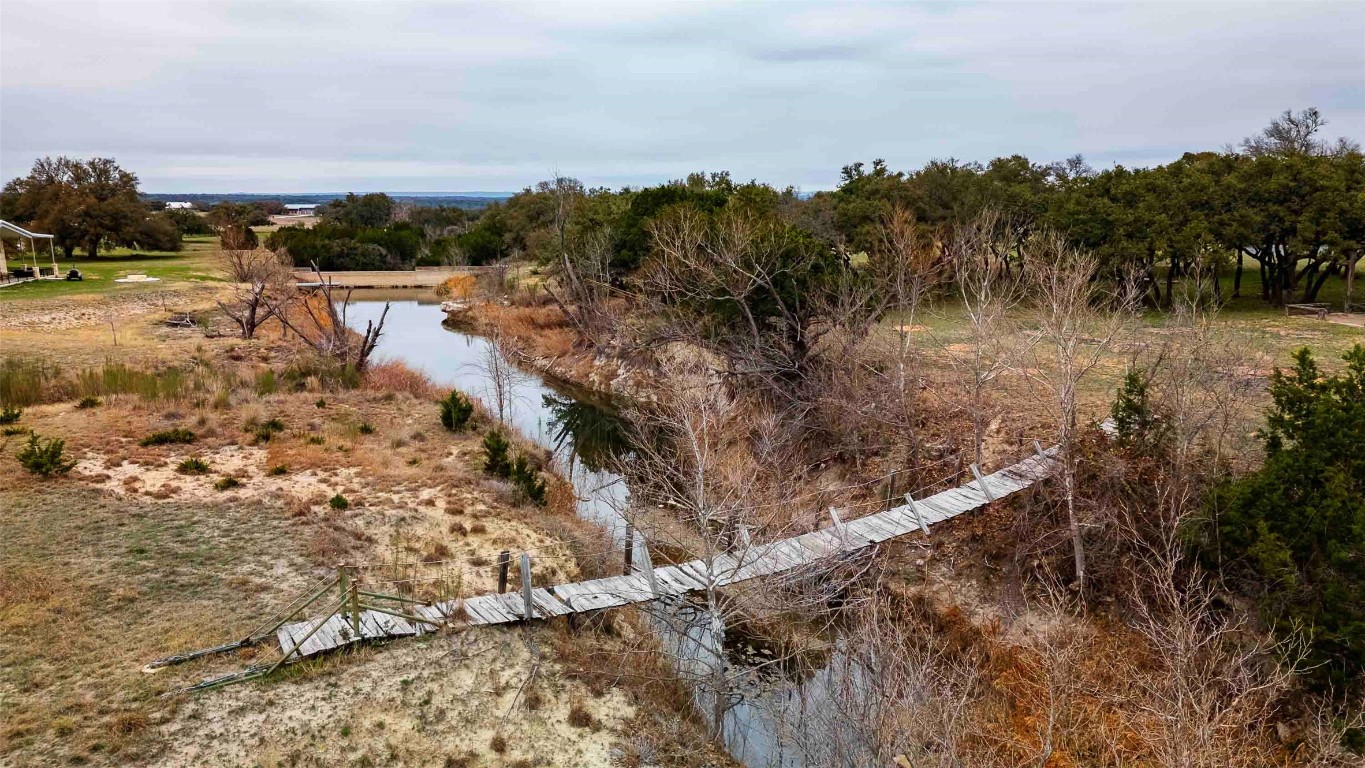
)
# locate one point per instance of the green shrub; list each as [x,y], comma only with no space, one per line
[10,415]
[168,437]
[366,428]
[45,457]
[227,483]
[456,411]
[1293,532]
[193,466]
[278,470]
[316,439]
[338,502]
[266,430]
[89,402]
[11,431]
[321,403]
[526,477]
[495,457]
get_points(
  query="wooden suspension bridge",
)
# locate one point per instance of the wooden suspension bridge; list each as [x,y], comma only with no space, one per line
[358,615]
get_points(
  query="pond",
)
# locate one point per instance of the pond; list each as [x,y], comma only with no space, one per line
[583,431]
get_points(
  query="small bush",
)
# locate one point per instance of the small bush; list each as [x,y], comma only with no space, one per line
[316,439]
[495,461]
[456,411]
[227,483]
[45,457]
[12,431]
[267,430]
[89,402]
[179,435]
[526,477]
[321,403]
[278,470]
[338,502]
[10,415]
[498,743]
[579,717]
[193,466]
[366,428]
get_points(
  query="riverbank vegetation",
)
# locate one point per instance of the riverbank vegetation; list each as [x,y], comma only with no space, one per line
[1158,602]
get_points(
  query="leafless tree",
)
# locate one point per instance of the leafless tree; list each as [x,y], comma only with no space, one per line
[320,319]
[501,376]
[1079,318]
[263,288]
[696,487]
[988,293]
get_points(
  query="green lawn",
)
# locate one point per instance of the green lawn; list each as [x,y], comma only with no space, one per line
[195,263]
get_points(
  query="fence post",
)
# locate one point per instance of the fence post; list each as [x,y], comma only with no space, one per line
[355,600]
[919,518]
[630,548]
[529,609]
[981,483]
[504,563]
[344,582]
[1038,449]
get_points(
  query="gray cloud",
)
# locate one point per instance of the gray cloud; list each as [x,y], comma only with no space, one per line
[403,96]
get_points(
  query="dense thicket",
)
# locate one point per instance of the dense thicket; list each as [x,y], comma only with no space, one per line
[1294,530]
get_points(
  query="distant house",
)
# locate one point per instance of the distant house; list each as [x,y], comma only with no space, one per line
[180,206]
[301,209]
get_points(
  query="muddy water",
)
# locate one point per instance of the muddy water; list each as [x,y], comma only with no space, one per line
[584,434]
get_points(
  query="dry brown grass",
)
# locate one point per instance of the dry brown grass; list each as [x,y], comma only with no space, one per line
[537,331]
[394,376]
[457,287]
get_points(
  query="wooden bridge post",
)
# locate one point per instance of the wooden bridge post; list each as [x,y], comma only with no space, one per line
[839,525]
[529,610]
[504,563]
[630,548]
[981,483]
[919,518]
[647,565]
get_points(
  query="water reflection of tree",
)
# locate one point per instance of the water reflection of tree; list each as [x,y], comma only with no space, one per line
[596,435]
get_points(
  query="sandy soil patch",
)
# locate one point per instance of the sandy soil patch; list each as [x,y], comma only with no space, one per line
[438,701]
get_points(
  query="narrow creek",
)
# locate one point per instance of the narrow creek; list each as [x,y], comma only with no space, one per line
[584,434]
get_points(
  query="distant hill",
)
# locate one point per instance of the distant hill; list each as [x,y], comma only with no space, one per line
[471,201]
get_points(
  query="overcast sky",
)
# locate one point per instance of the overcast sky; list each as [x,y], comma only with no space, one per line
[396,96]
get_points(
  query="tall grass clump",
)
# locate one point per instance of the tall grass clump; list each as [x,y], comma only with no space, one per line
[456,410]
[45,457]
[25,381]
[393,376]
[10,415]
[266,384]
[120,379]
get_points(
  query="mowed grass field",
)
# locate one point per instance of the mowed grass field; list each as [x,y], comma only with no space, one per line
[196,263]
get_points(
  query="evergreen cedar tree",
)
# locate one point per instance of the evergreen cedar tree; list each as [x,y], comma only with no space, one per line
[1295,529]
